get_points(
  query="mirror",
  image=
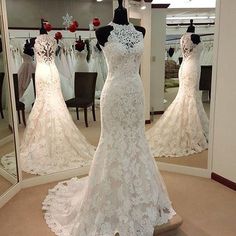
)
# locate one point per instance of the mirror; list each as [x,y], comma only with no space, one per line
[50,141]
[180,135]
[8,170]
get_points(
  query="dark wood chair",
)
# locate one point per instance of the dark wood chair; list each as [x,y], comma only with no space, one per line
[20,106]
[205,79]
[84,86]
[2,74]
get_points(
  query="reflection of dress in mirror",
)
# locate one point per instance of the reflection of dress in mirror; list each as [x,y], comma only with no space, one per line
[98,64]
[51,141]
[81,53]
[183,128]
[26,69]
[66,76]
[124,193]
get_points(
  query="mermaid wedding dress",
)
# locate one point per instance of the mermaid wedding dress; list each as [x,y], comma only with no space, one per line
[183,128]
[124,192]
[51,141]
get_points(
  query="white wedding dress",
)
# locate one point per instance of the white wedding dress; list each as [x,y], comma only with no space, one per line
[51,141]
[124,192]
[81,64]
[183,128]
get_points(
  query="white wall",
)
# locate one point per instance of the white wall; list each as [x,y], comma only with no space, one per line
[158,39]
[223,129]
[27,13]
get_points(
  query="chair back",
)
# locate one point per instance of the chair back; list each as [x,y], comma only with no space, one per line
[205,78]
[85,84]
[16,87]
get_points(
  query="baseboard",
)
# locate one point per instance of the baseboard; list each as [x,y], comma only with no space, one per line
[55,177]
[7,176]
[6,140]
[186,170]
[147,122]
[228,183]
[9,194]
[156,112]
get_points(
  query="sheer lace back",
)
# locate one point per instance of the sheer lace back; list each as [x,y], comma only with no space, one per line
[45,47]
[188,47]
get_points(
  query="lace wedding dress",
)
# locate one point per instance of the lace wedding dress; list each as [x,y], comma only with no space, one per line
[183,128]
[51,141]
[124,192]
[81,64]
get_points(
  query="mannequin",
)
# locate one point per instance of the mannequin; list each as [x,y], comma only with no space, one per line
[81,53]
[43,30]
[121,18]
[194,37]
[28,48]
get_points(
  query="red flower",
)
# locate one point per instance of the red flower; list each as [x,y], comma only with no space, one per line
[75,23]
[47,26]
[58,35]
[72,28]
[96,22]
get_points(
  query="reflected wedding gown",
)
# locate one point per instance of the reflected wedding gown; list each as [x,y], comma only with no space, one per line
[51,141]
[183,128]
[124,192]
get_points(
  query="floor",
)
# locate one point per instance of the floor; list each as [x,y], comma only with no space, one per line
[207,208]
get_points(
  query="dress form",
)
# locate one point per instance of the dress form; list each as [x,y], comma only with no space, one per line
[194,37]
[120,18]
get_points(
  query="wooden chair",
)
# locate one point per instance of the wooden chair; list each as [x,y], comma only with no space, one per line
[84,86]
[20,106]
[2,74]
[205,79]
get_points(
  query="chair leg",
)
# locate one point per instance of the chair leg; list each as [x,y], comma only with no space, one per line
[2,115]
[94,115]
[18,113]
[23,117]
[85,116]
[77,112]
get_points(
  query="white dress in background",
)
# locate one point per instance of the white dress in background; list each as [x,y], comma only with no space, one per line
[25,73]
[98,64]
[81,64]
[183,128]
[124,192]
[66,77]
[51,141]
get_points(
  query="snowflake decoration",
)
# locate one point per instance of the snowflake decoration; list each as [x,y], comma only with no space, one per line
[67,20]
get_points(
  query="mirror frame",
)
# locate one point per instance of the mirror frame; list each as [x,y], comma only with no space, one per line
[37,180]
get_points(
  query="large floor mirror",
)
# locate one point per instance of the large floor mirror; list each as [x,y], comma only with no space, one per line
[177,23]
[76,51]
[8,171]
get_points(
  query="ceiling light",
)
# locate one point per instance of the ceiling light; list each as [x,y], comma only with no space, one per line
[99,0]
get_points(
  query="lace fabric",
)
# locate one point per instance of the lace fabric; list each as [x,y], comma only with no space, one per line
[51,141]
[124,192]
[183,128]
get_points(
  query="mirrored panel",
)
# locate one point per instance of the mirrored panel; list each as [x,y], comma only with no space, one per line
[180,129]
[56,83]
[8,170]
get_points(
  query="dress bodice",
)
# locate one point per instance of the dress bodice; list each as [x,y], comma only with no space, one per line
[123,49]
[188,48]
[45,47]
[27,58]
